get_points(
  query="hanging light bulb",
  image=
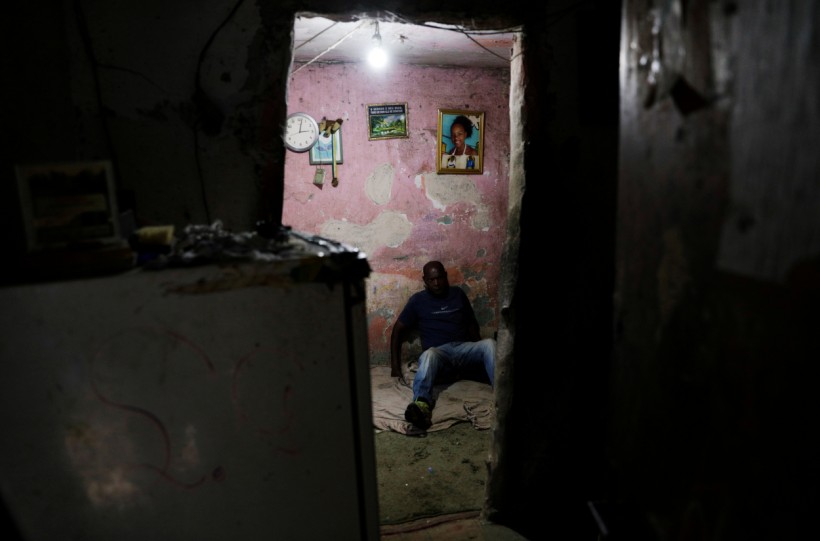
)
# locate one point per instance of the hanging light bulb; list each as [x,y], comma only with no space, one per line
[377,57]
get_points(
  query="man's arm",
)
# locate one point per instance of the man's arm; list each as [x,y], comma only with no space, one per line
[474,331]
[473,328]
[397,336]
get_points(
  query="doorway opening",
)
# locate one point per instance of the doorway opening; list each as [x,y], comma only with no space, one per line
[324,44]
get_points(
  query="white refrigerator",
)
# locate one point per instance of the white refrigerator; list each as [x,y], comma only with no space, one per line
[222,401]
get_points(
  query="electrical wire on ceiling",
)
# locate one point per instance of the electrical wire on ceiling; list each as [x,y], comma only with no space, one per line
[315,36]
[552,19]
[340,40]
[389,17]
[470,33]
[461,30]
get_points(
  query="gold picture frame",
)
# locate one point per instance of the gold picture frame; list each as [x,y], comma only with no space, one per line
[460,145]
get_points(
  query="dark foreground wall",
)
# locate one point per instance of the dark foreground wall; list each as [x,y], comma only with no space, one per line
[717,268]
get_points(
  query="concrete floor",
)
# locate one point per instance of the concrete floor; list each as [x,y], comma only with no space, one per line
[457,527]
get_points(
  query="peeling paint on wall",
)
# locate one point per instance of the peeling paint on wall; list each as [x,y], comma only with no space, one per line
[444,191]
[386,295]
[379,184]
[388,229]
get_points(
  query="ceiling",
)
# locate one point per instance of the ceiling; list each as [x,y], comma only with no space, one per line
[317,39]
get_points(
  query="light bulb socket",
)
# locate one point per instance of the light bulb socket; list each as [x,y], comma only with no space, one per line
[377,56]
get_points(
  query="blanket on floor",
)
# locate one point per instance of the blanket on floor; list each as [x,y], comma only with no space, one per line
[462,401]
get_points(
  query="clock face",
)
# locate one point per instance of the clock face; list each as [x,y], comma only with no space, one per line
[301,132]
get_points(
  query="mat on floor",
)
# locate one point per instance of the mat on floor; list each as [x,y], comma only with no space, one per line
[459,402]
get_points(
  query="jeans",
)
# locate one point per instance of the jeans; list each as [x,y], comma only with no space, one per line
[451,362]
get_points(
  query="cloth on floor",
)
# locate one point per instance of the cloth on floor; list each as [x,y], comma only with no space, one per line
[462,401]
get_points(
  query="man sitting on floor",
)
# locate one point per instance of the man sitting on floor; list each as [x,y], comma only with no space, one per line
[452,347]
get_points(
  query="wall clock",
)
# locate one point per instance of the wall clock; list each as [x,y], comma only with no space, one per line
[301,132]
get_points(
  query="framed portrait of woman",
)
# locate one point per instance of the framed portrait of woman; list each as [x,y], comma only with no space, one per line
[460,142]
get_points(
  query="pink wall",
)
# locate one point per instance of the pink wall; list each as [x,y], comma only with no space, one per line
[390,202]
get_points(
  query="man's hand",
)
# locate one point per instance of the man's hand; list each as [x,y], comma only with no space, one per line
[397,336]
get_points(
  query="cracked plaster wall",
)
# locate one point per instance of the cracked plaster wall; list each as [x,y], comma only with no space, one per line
[389,201]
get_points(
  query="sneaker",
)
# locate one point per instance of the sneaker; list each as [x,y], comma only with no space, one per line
[420,414]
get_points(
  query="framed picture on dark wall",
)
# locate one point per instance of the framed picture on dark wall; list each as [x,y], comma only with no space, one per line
[460,148]
[68,204]
[386,121]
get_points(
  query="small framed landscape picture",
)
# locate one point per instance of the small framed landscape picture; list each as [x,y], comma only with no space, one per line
[460,147]
[386,121]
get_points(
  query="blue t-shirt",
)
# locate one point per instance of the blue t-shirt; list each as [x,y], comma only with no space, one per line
[439,319]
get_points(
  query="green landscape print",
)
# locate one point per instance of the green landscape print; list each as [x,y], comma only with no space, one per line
[387,120]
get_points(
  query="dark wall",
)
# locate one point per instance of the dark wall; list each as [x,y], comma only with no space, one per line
[562,301]
[717,246]
[37,112]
